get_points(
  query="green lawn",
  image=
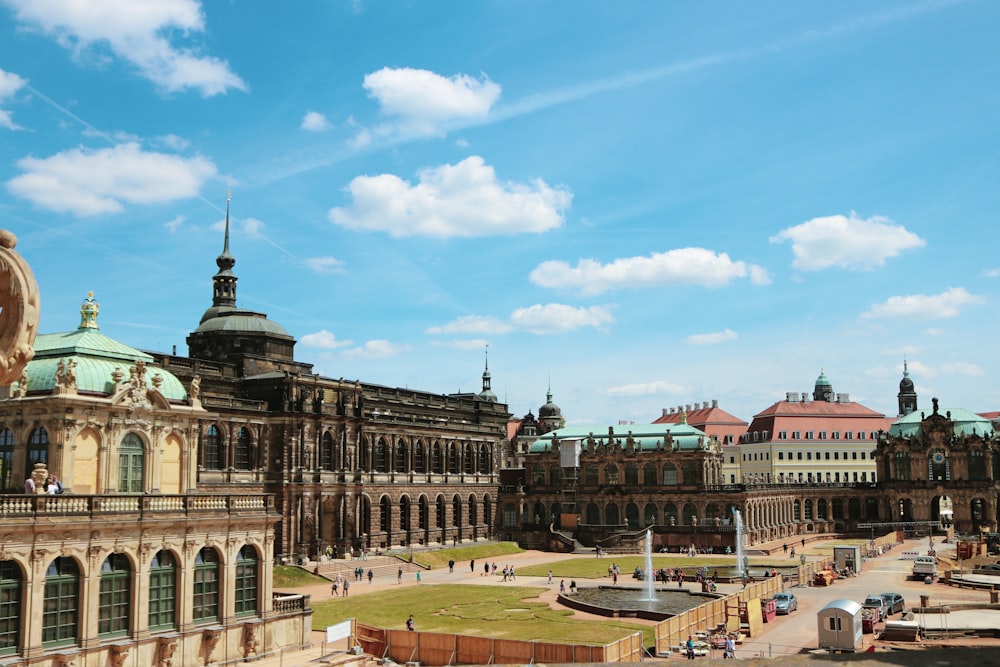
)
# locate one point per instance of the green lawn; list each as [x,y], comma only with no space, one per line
[486,611]
[439,557]
[595,568]
[288,576]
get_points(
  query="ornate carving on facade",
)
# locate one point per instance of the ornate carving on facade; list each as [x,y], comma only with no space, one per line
[250,640]
[210,639]
[136,395]
[119,654]
[39,476]
[165,651]
[19,310]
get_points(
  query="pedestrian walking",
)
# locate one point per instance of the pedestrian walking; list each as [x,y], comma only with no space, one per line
[347,585]
[451,565]
[472,566]
[399,575]
[689,645]
[418,576]
[550,576]
[333,589]
[562,586]
[409,623]
[730,648]
[371,575]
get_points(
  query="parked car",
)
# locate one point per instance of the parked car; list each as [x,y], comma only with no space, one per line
[785,603]
[876,602]
[894,603]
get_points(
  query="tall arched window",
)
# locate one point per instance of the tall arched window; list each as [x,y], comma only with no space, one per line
[669,474]
[442,520]
[131,464]
[6,459]
[381,457]
[246,581]
[11,585]
[469,460]
[902,465]
[590,476]
[452,458]
[422,513]
[163,592]
[437,461]
[62,602]
[206,586]
[211,447]
[244,446]
[419,457]
[649,475]
[611,474]
[326,452]
[631,474]
[38,450]
[402,464]
[385,514]
[977,465]
[115,597]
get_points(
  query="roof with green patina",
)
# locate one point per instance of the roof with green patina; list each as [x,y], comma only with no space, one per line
[647,437]
[965,422]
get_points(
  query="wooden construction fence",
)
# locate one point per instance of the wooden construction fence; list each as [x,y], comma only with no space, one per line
[723,611]
[435,648]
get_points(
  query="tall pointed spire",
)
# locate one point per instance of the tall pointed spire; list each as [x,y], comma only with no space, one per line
[224,282]
[907,396]
[487,393]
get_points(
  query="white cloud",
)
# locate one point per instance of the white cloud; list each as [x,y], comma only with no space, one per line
[314,121]
[325,264]
[925,306]
[962,368]
[846,242]
[375,349]
[992,273]
[464,199]
[462,344]
[142,33]
[252,227]
[175,224]
[682,266]
[422,102]
[713,338]
[647,389]
[174,142]
[933,331]
[90,182]
[559,318]
[323,340]
[473,324]
[10,83]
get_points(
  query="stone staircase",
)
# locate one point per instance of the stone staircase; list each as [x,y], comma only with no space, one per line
[383,567]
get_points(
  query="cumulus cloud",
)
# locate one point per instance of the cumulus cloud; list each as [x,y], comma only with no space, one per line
[962,368]
[947,304]
[375,349]
[142,33]
[314,121]
[175,224]
[559,318]
[323,340]
[713,338]
[647,389]
[847,242]
[10,83]
[424,102]
[91,182]
[464,199]
[682,266]
[473,324]
[324,264]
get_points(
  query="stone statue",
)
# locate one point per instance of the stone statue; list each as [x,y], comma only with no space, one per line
[19,310]
[195,390]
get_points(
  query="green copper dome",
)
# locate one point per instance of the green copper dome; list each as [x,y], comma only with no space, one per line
[94,358]
[964,422]
[647,437]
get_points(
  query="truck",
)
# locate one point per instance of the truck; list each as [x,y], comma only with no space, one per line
[924,566]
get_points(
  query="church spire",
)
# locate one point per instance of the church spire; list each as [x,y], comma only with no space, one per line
[487,393]
[224,282]
[907,396]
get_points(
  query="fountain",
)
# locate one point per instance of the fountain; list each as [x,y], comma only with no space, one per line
[650,578]
[741,559]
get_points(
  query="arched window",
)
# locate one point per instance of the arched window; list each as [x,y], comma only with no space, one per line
[555,475]
[115,598]
[470,460]
[62,602]
[163,592]
[211,447]
[402,465]
[977,465]
[484,460]
[131,464]
[456,511]
[632,516]
[669,474]
[6,459]
[244,446]
[419,457]
[977,507]
[442,520]
[649,515]
[821,509]
[853,508]
[246,581]
[326,452]
[689,473]
[404,514]
[11,585]
[797,510]
[650,477]
[385,512]
[631,474]
[611,515]
[510,515]
[423,512]
[902,465]
[38,450]
[808,509]
[452,458]
[590,475]
[670,514]
[437,461]
[837,509]
[611,474]
[593,514]
[381,457]
[206,586]
[690,513]
[473,511]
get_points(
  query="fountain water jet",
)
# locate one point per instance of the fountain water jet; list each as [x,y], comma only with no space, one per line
[650,580]
[740,558]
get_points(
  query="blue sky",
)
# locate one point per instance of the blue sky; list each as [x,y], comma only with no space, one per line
[645,204]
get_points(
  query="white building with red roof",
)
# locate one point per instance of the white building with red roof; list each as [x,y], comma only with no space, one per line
[821,439]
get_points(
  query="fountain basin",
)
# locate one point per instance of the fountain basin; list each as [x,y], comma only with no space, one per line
[618,602]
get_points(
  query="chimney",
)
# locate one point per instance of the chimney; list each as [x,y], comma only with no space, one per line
[715,402]
[664,414]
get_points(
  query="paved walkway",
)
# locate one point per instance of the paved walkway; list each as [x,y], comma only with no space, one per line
[785,636]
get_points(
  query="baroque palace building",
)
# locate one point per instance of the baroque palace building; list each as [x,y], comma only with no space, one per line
[803,466]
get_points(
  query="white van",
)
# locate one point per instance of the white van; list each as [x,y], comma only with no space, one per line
[924,566]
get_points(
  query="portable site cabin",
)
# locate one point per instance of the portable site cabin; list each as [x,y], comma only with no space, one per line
[845,557]
[839,626]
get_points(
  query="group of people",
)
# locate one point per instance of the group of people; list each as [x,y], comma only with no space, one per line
[52,485]
[359,574]
[340,584]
